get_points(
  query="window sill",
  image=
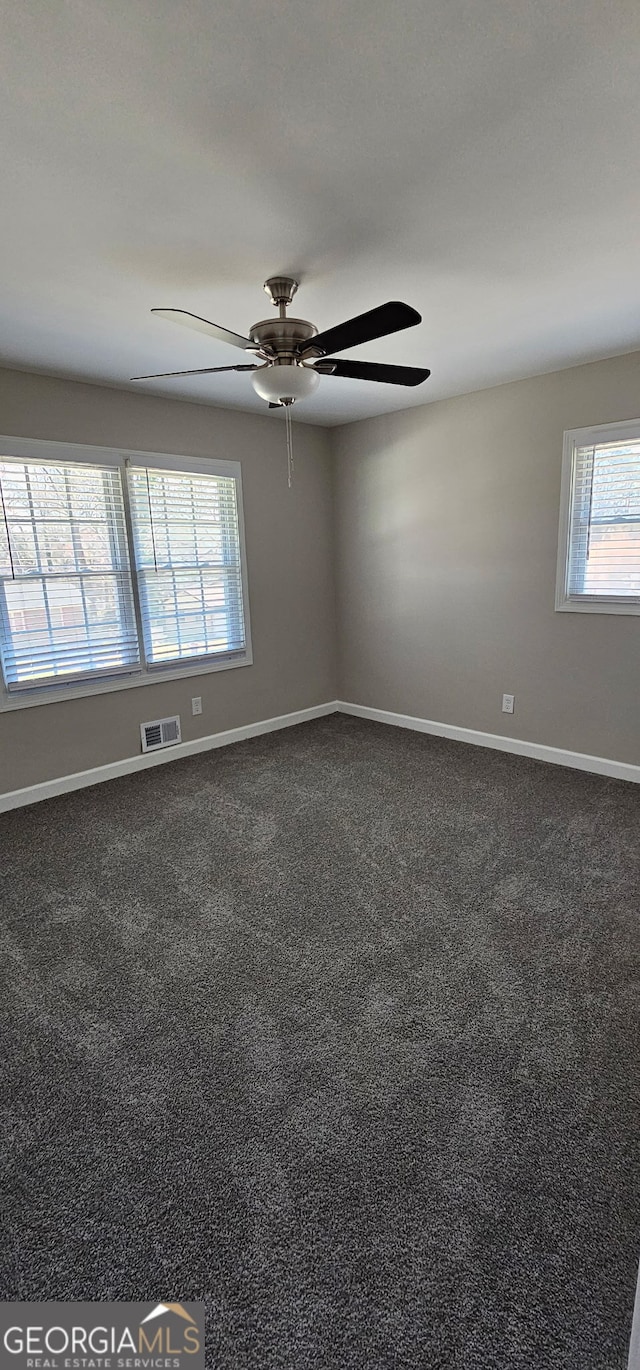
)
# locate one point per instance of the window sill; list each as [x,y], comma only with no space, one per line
[154,676]
[598,606]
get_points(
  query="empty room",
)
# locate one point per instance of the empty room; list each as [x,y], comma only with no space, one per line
[319,685]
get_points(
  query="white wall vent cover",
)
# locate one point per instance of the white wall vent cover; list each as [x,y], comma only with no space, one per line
[163,732]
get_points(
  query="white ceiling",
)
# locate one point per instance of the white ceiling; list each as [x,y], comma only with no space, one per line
[476,158]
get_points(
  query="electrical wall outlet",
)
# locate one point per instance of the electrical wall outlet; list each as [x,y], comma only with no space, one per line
[196,704]
[508,704]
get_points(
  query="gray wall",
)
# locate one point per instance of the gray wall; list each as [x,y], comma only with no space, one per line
[446,543]
[289,553]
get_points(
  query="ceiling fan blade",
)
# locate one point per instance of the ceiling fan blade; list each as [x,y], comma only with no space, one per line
[203,371]
[372,371]
[213,330]
[377,323]
[276,406]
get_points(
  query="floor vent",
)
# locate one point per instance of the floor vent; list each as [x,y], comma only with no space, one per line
[163,732]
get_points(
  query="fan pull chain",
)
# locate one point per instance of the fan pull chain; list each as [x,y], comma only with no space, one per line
[289,432]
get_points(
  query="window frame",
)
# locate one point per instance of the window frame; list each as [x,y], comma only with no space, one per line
[37,449]
[574,438]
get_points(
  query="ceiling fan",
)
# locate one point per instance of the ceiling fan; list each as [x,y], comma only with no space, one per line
[292,355]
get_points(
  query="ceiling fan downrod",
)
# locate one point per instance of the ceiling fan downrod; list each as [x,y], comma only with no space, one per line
[281,290]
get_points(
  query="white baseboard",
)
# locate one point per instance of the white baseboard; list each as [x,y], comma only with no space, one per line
[47,789]
[31,794]
[579,761]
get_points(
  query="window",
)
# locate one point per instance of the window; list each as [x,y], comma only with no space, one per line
[67,605]
[599,546]
[116,569]
[188,563]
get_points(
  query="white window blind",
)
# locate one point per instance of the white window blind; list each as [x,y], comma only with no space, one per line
[188,563]
[603,538]
[66,602]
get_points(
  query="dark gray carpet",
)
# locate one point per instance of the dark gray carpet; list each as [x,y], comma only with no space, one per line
[337,1030]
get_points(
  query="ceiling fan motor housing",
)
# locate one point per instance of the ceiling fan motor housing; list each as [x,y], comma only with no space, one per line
[282,337]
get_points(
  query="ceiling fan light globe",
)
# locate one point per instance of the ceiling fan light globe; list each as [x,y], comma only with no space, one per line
[275,383]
